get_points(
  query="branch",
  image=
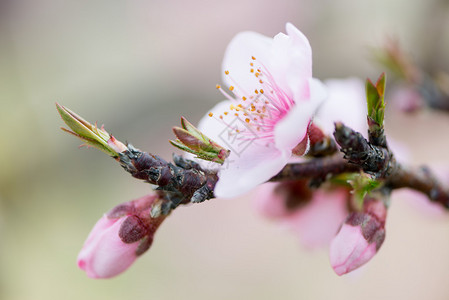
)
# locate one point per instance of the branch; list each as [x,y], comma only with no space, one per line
[318,169]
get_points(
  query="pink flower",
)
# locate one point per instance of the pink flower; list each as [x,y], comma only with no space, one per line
[274,99]
[118,238]
[406,98]
[314,216]
[359,238]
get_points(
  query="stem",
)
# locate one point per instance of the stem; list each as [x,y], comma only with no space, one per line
[318,168]
[182,182]
[422,180]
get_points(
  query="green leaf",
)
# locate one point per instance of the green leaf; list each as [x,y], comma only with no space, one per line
[375,101]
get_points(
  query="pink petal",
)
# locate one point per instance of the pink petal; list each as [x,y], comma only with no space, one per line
[255,165]
[238,57]
[213,127]
[293,127]
[105,255]
[349,250]
[317,223]
[269,203]
[291,62]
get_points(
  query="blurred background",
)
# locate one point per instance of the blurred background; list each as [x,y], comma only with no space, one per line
[137,66]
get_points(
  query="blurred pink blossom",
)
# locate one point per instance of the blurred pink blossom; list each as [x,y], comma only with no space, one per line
[406,98]
[314,216]
[118,238]
[420,201]
[274,99]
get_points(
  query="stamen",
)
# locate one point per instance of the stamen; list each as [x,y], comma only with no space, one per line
[227,72]
[211,114]
[231,88]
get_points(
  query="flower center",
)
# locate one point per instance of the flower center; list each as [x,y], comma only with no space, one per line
[257,112]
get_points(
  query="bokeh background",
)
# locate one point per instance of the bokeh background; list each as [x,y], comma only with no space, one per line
[137,66]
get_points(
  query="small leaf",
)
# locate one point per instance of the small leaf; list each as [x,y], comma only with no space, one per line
[362,185]
[375,100]
[90,134]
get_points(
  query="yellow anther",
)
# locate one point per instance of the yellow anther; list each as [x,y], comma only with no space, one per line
[218,86]
[261,91]
[236,114]
[227,72]
[247,120]
[256,91]
[211,114]
[260,81]
[225,113]
[252,70]
[253,58]
[257,74]
[221,117]
[231,88]
[243,98]
[241,106]
[251,64]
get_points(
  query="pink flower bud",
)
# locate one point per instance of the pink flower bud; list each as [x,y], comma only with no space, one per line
[118,238]
[357,242]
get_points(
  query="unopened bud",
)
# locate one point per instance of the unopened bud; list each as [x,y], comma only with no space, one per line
[191,140]
[119,237]
[91,135]
[359,238]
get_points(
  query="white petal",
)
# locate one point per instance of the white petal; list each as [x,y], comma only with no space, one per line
[346,103]
[213,126]
[293,127]
[254,166]
[291,62]
[238,57]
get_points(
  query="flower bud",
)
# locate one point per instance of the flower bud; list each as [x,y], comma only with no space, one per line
[90,134]
[191,140]
[358,240]
[118,238]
